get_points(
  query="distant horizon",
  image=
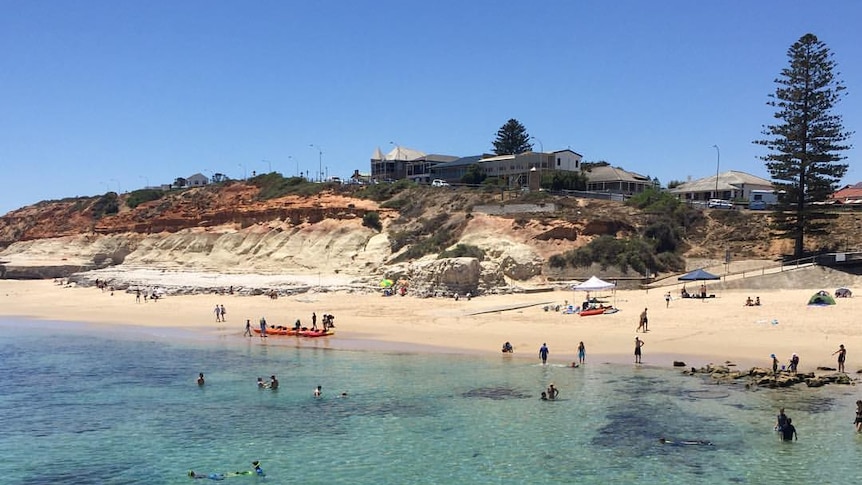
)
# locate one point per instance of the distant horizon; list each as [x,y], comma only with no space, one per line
[106,96]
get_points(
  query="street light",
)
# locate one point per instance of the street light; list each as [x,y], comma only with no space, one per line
[541,148]
[319,161]
[717,164]
[289,158]
[268,163]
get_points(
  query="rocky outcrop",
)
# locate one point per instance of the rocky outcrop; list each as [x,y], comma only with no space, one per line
[760,377]
[444,277]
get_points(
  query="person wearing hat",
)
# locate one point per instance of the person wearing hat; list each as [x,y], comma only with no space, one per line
[794,362]
[774,363]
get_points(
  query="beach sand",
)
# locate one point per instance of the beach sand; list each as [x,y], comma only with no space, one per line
[694,331]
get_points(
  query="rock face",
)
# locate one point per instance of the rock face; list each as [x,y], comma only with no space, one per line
[444,277]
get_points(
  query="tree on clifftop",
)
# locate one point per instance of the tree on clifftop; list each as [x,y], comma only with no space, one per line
[512,138]
[806,143]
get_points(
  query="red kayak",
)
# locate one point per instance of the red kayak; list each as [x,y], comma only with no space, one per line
[316,333]
[593,311]
[277,331]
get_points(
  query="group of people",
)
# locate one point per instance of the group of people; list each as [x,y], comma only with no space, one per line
[750,302]
[792,364]
[272,384]
[544,351]
[551,394]
[220,313]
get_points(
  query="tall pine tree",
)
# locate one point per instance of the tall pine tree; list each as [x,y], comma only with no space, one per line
[806,143]
[512,138]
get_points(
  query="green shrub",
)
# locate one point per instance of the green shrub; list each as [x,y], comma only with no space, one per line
[372,220]
[381,192]
[107,204]
[464,251]
[273,185]
[138,197]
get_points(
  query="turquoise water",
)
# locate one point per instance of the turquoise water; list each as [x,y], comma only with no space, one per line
[80,406]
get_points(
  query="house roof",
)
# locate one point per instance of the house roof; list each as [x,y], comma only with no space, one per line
[461,162]
[848,192]
[568,150]
[729,180]
[197,175]
[608,173]
[377,155]
[404,154]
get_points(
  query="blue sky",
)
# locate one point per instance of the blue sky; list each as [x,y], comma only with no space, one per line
[107,95]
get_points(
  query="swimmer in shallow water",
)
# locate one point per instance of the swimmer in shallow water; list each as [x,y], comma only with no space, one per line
[666,441]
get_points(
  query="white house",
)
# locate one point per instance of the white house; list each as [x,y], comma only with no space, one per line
[730,185]
[197,180]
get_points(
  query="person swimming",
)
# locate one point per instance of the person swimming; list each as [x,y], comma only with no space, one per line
[666,441]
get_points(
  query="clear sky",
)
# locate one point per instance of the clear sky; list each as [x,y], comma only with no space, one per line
[113,95]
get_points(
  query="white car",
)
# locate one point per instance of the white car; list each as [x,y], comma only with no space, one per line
[719,204]
[439,183]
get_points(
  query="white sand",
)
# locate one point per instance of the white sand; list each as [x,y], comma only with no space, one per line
[695,331]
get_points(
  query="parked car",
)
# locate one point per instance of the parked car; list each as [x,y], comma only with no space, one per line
[719,204]
[757,205]
[439,183]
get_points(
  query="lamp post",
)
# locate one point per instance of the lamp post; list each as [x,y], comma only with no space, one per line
[289,158]
[268,164]
[717,164]
[319,161]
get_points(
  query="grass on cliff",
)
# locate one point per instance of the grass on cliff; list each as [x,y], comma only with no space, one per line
[274,185]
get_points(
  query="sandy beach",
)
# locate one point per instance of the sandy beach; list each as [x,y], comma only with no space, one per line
[694,331]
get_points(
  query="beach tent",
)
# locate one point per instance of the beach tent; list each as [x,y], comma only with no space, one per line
[699,275]
[593,284]
[821,298]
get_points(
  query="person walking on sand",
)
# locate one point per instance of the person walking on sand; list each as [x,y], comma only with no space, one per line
[667,300]
[543,353]
[638,344]
[842,355]
[217,312]
[223,313]
[643,321]
[247,329]
[582,353]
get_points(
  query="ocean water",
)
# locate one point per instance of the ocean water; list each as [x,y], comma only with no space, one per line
[81,405]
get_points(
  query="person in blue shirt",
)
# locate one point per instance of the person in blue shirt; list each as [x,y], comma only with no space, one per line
[543,353]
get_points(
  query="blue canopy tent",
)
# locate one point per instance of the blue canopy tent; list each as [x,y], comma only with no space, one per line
[699,275]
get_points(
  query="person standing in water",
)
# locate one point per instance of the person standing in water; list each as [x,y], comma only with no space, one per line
[842,355]
[858,421]
[201,379]
[247,328]
[543,353]
[638,344]
[582,353]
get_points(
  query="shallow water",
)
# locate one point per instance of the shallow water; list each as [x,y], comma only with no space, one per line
[81,406]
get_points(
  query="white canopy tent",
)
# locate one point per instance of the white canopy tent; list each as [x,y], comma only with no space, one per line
[596,284]
[593,284]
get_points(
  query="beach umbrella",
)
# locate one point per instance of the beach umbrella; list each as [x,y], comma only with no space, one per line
[699,275]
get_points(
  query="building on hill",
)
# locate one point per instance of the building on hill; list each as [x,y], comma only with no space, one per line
[849,194]
[405,163]
[197,180]
[730,185]
[514,170]
[615,180]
